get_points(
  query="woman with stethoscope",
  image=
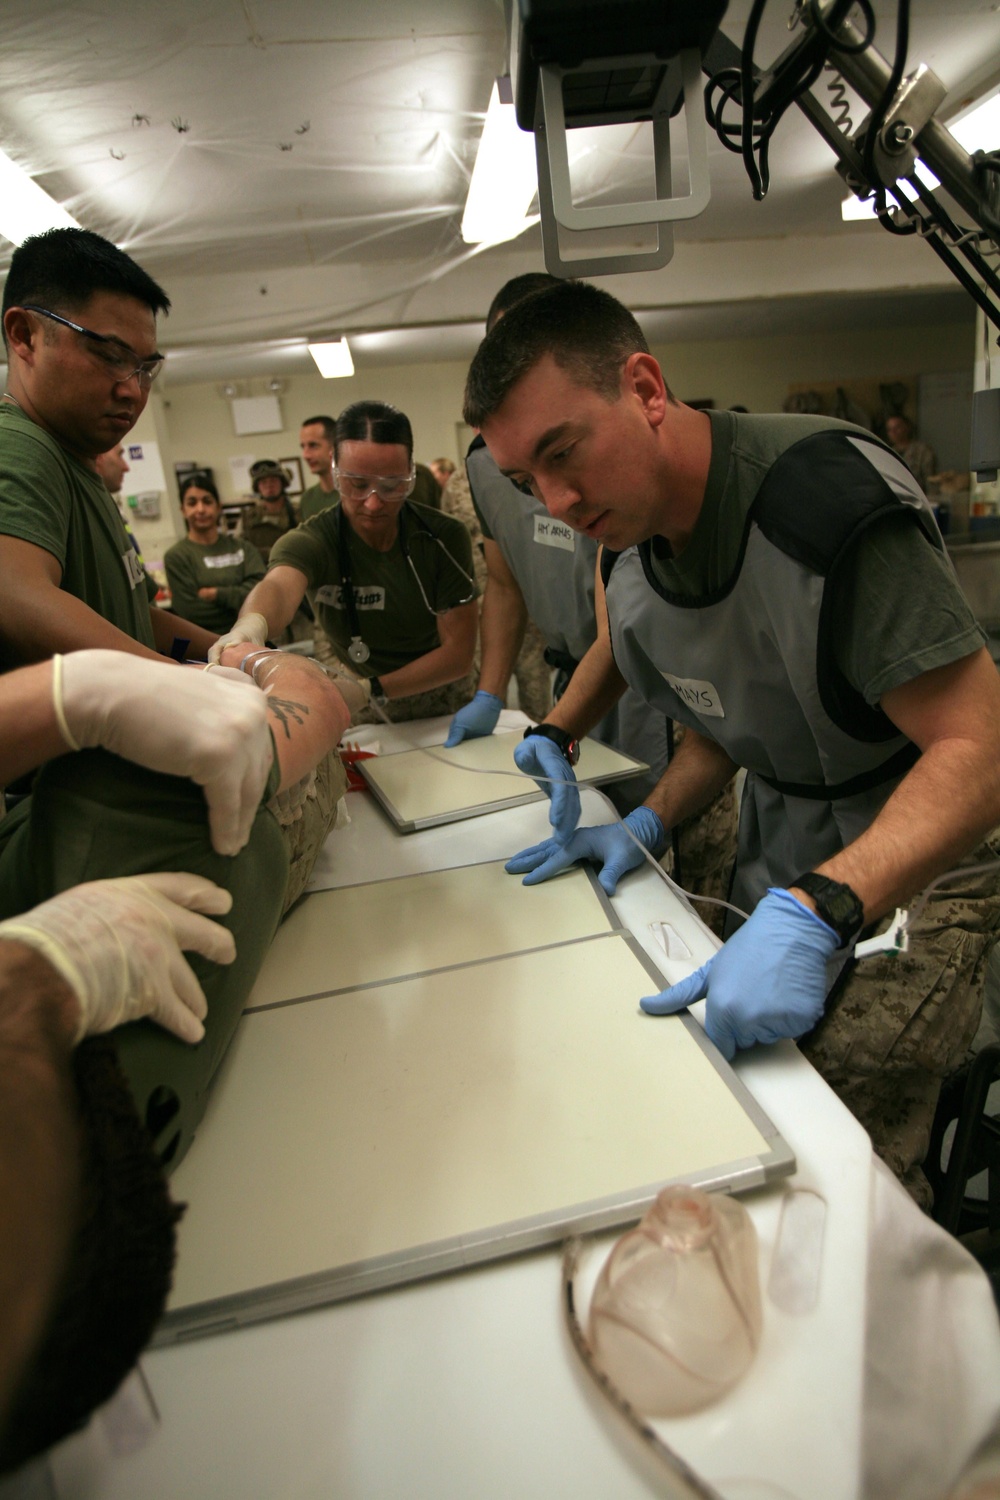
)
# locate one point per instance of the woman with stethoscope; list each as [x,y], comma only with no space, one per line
[393,583]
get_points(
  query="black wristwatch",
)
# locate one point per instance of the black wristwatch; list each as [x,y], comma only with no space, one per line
[839,906]
[567,744]
[378,691]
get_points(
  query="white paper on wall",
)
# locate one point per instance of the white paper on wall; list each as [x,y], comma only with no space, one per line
[239,473]
[145,469]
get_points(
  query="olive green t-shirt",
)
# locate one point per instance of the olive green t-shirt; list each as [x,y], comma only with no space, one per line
[396,623]
[52,500]
[899,604]
[315,499]
[229,564]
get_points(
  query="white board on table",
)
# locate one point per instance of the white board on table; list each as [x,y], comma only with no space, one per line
[365,1137]
[424,788]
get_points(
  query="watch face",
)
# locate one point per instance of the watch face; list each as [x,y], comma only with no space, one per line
[837,904]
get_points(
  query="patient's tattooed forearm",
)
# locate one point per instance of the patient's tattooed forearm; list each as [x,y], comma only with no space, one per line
[285,710]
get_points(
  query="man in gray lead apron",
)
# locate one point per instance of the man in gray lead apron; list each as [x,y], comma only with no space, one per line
[541,569]
[778,585]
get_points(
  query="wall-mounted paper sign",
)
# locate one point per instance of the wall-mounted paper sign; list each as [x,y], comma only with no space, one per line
[145,469]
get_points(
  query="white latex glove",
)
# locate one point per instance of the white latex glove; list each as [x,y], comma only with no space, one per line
[249,630]
[355,691]
[117,943]
[208,726]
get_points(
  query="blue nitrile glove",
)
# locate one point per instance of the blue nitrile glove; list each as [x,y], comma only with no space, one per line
[476,720]
[767,982]
[608,845]
[537,756]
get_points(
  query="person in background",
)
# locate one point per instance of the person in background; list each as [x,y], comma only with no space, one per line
[442,469]
[426,490]
[79,323]
[916,455]
[272,514]
[112,468]
[392,581]
[316,445]
[531,672]
[208,574]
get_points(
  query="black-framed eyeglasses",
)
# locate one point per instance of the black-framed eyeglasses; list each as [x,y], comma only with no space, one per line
[122,362]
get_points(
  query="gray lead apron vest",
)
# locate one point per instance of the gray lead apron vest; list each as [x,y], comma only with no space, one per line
[752,666]
[554,567]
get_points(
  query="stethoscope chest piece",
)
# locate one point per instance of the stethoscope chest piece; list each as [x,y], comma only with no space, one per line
[358,651]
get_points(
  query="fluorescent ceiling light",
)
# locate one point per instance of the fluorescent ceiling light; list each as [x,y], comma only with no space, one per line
[979,130]
[25,208]
[333,359]
[504,179]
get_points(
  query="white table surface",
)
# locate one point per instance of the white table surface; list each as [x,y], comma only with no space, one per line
[468,1385]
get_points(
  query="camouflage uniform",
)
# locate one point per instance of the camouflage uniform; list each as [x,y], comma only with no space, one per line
[430,705]
[901,1023]
[305,837]
[532,672]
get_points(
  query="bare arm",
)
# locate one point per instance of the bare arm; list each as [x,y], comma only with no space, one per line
[167,627]
[947,802]
[446,663]
[697,772]
[502,623]
[38,618]
[39,1172]
[597,684]
[306,712]
[276,597]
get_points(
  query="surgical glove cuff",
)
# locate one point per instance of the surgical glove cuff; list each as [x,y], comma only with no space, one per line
[646,825]
[787,899]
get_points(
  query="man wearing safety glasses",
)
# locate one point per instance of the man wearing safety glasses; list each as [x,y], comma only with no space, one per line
[79,325]
[394,586]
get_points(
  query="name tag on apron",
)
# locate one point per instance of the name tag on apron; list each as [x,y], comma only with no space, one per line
[701,696]
[549,533]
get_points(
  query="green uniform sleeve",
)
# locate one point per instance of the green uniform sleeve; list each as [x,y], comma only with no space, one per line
[310,548]
[902,608]
[31,509]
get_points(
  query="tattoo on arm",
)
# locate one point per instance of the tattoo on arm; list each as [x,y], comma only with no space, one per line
[287,711]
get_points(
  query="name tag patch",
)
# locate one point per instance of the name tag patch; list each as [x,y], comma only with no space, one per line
[364,598]
[224,559]
[549,533]
[702,696]
[133,567]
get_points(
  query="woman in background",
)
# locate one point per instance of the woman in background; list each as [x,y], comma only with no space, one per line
[209,575]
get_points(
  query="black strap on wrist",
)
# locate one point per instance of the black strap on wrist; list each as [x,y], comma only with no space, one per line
[378,691]
[566,743]
[836,904]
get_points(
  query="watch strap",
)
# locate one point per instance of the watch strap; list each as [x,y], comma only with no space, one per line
[836,903]
[566,743]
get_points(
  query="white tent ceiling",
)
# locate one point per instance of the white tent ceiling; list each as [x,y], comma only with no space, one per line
[292,169]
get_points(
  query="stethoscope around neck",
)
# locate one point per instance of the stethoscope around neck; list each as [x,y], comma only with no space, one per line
[358,651]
